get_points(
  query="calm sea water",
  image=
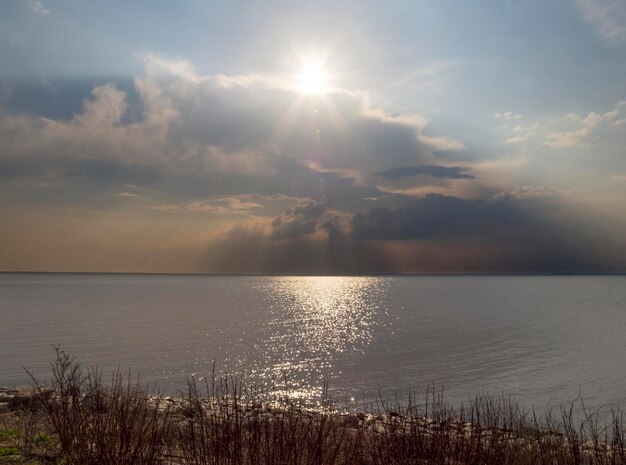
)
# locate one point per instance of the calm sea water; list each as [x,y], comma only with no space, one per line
[539,339]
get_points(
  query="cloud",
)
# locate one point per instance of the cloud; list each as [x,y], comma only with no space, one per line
[568,138]
[593,119]
[432,75]
[619,177]
[219,124]
[297,221]
[526,192]
[237,205]
[607,17]
[195,136]
[436,171]
[38,7]
[198,206]
[573,117]
[160,67]
[242,173]
[434,216]
[591,124]
[516,140]
[442,143]
[507,115]
[527,230]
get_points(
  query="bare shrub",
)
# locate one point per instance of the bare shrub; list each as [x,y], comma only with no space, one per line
[117,423]
[229,421]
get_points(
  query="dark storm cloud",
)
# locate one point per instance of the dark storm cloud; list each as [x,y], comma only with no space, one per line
[297,221]
[437,216]
[252,250]
[505,234]
[436,171]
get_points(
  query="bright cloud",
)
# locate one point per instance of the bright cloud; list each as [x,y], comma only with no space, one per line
[507,115]
[608,18]
[38,7]
[516,140]
[217,124]
[588,125]
[228,167]
[568,138]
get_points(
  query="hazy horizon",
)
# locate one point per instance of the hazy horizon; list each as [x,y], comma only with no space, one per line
[304,275]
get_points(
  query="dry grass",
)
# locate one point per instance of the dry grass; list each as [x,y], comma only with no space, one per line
[226,421]
[97,423]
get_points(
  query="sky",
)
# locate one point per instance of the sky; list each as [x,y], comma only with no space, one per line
[327,137]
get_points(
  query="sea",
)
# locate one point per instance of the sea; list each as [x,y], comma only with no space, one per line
[542,341]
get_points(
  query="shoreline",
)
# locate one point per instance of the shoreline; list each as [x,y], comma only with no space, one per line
[190,426]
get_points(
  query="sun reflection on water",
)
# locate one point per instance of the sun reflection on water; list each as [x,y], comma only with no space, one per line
[312,322]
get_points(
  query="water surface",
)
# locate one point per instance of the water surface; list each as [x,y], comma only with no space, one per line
[540,339]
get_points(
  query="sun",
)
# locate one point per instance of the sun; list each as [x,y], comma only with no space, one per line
[312,80]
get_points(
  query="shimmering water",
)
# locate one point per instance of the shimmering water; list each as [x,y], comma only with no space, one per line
[540,339]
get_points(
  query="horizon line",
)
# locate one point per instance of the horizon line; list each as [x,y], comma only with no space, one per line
[241,274]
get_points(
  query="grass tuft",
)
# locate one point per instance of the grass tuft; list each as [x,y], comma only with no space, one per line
[8,451]
[227,421]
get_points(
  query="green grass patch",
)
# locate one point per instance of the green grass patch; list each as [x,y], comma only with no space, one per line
[7,451]
[42,439]
[12,433]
